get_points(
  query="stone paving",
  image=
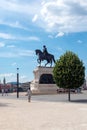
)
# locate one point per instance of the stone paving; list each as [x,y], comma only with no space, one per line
[45,112]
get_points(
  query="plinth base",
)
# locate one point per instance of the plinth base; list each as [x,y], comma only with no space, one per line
[40,83]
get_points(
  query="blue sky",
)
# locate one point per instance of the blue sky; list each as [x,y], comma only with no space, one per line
[26,25]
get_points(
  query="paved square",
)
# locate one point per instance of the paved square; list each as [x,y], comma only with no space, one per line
[45,112]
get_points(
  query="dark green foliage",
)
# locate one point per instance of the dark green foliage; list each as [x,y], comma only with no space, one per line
[69,71]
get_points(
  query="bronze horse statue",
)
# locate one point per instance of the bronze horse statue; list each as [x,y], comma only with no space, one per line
[41,57]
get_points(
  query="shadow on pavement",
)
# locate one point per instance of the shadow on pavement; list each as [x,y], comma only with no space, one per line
[4,104]
[79,101]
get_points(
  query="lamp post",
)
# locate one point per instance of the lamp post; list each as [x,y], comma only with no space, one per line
[17,82]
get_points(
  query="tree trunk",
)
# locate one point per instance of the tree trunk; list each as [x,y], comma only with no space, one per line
[69,95]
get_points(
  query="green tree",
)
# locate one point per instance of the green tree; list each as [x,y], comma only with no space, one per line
[69,72]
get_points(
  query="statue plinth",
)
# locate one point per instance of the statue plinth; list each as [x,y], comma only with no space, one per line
[43,82]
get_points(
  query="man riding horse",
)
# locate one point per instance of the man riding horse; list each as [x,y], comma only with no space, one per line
[45,52]
[44,55]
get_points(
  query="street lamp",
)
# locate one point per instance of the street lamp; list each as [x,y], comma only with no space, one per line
[17,82]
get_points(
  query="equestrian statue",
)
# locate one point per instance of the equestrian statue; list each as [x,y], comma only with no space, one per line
[44,56]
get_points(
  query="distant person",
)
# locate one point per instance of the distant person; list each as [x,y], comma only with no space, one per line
[2,91]
[6,92]
[29,93]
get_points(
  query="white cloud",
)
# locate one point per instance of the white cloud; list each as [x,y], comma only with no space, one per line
[2,44]
[14,24]
[10,77]
[65,15]
[10,46]
[13,6]
[11,37]
[79,41]
[50,36]
[16,53]
[60,49]
[7,54]
[35,18]
[6,36]
[7,75]
[26,53]
[23,77]
[54,15]
[14,64]
[31,38]
[24,8]
[60,34]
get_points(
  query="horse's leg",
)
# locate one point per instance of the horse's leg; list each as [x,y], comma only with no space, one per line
[51,61]
[51,64]
[39,61]
[46,63]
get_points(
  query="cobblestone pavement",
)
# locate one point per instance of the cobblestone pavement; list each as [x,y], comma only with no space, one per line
[44,112]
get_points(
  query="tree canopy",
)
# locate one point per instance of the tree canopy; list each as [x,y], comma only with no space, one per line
[69,71]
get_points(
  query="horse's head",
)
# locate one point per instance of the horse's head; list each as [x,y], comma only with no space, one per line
[38,51]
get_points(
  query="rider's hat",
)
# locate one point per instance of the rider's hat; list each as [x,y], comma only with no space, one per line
[44,46]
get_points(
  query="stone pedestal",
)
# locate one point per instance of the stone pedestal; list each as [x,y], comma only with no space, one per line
[43,82]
